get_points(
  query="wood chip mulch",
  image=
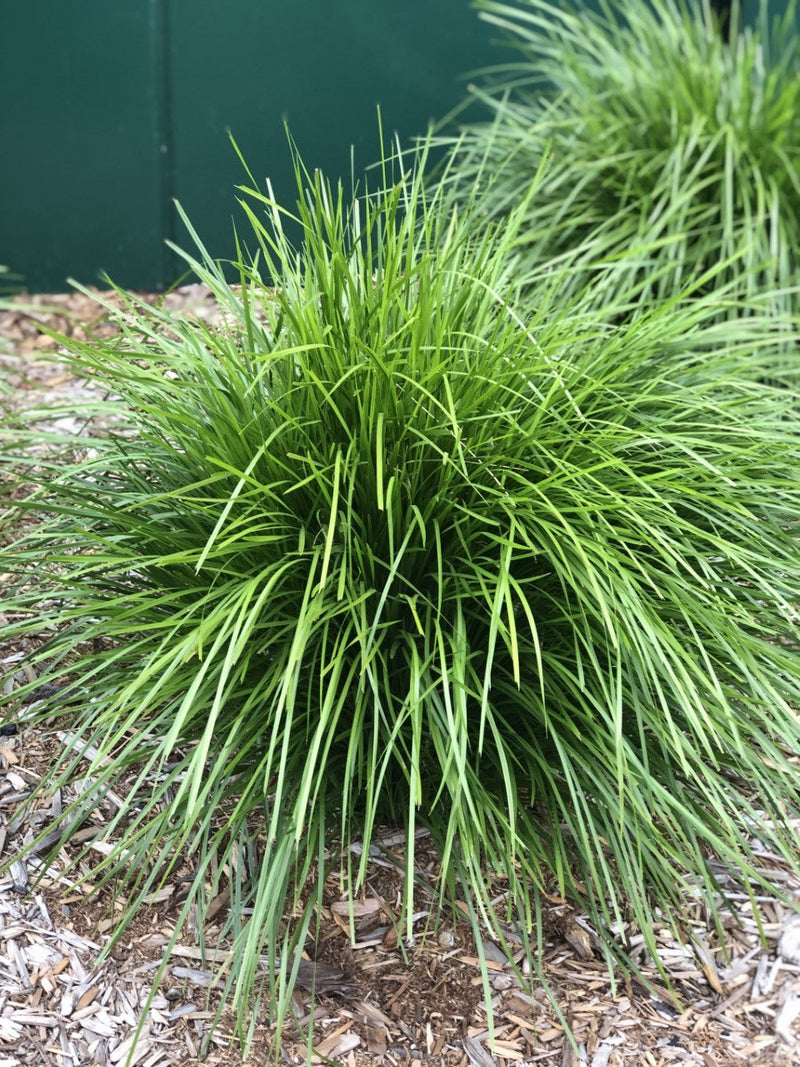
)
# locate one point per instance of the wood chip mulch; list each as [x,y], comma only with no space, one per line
[378,1001]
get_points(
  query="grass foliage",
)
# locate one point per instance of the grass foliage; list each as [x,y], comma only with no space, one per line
[661,133]
[389,549]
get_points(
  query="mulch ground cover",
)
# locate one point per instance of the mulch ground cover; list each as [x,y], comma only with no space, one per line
[377,998]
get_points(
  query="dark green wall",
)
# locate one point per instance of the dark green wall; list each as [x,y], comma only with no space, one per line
[111,109]
[80,184]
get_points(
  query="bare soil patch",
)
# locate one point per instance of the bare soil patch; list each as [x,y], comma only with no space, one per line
[378,999]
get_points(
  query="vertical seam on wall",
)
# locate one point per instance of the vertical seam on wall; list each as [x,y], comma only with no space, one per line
[165,134]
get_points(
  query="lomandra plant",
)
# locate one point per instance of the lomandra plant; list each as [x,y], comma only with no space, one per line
[381,549]
[664,133]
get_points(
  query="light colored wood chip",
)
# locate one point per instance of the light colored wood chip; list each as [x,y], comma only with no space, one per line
[787,1015]
[789,942]
[86,998]
[579,938]
[19,876]
[340,1042]
[477,1054]
[359,909]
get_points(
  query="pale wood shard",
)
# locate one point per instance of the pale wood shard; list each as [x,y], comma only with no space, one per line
[789,941]
[788,1013]
[19,876]
[477,1053]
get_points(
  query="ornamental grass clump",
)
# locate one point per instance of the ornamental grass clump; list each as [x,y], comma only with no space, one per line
[383,550]
[664,134]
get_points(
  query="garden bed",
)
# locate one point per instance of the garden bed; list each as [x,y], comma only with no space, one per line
[378,1002]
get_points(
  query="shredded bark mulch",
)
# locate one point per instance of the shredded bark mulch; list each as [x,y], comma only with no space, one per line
[378,1000]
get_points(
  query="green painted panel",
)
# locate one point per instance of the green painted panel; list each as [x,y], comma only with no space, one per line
[246,65]
[111,109]
[80,181]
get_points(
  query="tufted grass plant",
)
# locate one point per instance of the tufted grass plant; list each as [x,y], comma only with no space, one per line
[664,134]
[384,550]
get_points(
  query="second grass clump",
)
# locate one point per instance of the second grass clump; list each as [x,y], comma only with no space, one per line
[663,133]
[387,548]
